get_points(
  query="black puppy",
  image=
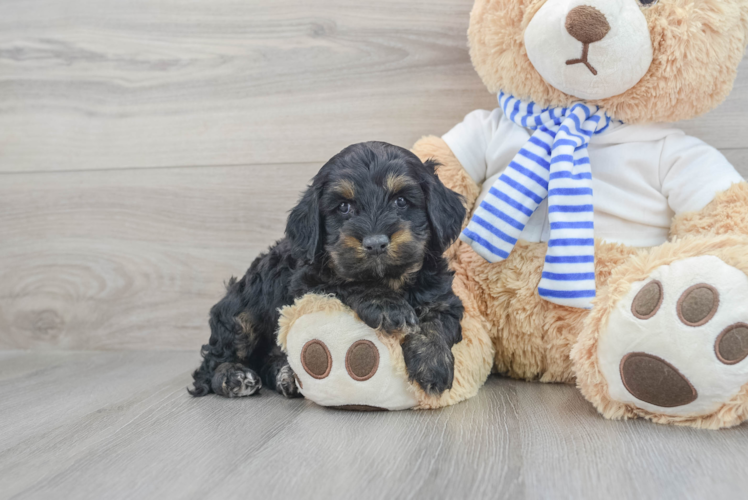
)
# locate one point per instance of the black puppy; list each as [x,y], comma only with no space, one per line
[371,230]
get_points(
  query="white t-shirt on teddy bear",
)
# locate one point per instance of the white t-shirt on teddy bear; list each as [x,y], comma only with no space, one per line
[643,175]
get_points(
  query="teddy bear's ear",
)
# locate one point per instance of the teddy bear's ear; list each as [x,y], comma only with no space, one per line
[445,208]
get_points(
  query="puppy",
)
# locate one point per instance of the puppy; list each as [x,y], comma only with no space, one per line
[371,230]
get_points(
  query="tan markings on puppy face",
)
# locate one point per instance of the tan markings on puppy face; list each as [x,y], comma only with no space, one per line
[396,182]
[345,188]
[406,278]
[397,241]
[353,243]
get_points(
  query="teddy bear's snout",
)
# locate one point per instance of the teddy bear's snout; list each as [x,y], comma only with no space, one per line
[587,24]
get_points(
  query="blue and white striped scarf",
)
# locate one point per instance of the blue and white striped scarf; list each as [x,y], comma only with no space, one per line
[554,164]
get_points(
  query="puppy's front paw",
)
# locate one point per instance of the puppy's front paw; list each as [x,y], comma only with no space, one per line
[391,315]
[234,380]
[285,383]
[429,362]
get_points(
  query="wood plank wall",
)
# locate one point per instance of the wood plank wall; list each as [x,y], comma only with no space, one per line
[149,149]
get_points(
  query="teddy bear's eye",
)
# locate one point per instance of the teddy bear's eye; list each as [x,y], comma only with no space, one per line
[648,3]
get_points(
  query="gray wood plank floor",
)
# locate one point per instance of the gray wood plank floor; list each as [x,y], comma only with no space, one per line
[120,425]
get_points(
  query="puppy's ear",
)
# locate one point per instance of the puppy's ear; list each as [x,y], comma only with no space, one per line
[304,225]
[446,211]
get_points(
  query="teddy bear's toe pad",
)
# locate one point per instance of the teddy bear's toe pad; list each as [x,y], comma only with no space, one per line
[732,344]
[639,370]
[340,362]
[678,342]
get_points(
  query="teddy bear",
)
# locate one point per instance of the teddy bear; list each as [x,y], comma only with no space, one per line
[603,247]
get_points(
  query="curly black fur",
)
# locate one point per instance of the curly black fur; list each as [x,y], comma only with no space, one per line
[370,192]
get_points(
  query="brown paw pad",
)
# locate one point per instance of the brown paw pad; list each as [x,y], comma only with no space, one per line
[362,360]
[316,359]
[655,381]
[732,344]
[698,305]
[648,301]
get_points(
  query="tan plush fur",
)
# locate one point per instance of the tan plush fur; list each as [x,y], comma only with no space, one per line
[727,214]
[307,304]
[698,45]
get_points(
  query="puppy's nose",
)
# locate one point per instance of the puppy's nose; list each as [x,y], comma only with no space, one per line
[587,24]
[376,244]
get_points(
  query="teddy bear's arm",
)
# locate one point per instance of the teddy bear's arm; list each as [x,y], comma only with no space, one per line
[726,214]
[708,195]
[451,172]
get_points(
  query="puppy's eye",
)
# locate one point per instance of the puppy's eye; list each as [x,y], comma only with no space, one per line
[344,208]
[401,202]
[648,3]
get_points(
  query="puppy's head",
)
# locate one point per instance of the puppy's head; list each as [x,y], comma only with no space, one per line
[375,212]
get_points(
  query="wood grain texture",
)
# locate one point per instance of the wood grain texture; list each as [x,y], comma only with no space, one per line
[140,83]
[132,259]
[120,425]
[143,83]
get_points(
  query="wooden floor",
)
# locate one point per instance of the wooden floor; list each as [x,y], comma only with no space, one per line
[149,149]
[120,425]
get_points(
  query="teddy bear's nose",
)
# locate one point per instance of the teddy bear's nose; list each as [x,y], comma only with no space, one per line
[587,24]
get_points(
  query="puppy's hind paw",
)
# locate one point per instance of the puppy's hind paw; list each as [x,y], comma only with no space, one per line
[234,380]
[285,383]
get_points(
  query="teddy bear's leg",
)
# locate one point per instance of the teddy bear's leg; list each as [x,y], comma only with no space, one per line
[668,336]
[340,362]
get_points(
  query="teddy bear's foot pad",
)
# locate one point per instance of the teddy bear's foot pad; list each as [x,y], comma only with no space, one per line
[678,342]
[343,364]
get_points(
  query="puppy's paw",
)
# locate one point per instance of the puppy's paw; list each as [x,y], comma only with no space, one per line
[285,383]
[234,380]
[391,315]
[429,362]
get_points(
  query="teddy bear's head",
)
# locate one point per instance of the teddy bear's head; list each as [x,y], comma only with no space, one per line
[639,60]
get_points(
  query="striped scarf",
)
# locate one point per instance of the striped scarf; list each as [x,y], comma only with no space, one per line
[554,164]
